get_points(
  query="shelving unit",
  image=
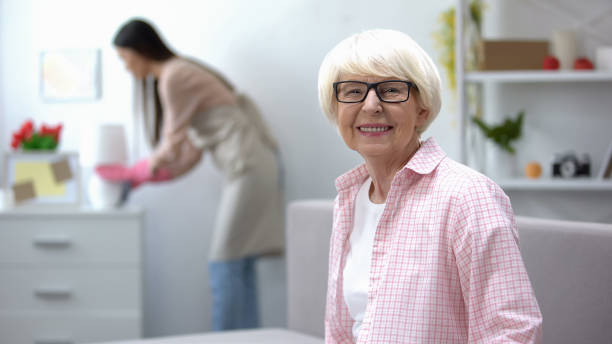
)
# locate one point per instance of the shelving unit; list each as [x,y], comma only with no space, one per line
[525,76]
[556,184]
[482,78]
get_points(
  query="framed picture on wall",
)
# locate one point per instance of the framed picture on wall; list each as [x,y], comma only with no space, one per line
[70,75]
[605,172]
[41,179]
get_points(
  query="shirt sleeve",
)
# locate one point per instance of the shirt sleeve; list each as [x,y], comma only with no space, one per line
[497,293]
[337,320]
[175,151]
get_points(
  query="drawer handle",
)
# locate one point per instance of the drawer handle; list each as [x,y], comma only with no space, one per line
[59,242]
[56,292]
[53,341]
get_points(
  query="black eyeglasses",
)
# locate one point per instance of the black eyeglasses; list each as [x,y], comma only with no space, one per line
[389,91]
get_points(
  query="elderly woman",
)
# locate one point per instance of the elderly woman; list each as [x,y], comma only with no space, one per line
[424,249]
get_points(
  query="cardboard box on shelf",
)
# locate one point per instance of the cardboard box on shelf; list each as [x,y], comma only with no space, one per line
[512,54]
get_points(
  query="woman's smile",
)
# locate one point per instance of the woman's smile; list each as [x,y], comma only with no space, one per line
[374,129]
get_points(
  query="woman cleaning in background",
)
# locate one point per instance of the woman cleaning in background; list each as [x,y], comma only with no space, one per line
[197,110]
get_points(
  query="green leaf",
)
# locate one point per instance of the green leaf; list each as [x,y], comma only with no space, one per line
[46,142]
[38,142]
[503,134]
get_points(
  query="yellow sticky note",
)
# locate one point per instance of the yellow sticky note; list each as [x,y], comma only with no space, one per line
[41,174]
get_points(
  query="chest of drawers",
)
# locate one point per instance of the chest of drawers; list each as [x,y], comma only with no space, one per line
[70,276]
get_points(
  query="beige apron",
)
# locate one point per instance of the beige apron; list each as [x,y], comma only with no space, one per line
[250,216]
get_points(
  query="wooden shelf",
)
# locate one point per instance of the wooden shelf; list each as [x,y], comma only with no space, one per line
[590,184]
[523,76]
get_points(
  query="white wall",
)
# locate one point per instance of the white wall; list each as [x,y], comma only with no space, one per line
[270,49]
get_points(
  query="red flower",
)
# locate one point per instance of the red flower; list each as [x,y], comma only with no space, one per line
[25,135]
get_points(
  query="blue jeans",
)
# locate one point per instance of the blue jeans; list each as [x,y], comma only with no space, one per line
[234,294]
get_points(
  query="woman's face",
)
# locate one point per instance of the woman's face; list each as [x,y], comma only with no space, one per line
[135,63]
[377,129]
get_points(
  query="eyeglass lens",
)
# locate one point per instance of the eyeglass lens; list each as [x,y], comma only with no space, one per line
[389,91]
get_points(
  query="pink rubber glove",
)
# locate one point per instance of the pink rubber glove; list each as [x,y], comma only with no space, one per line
[137,174]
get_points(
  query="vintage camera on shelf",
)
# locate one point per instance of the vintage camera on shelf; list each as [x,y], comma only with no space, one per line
[569,165]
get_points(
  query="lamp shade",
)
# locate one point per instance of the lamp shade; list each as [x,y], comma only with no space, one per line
[110,145]
[106,146]
[103,144]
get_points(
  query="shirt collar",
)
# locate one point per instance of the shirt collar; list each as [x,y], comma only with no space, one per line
[424,161]
[426,158]
[356,176]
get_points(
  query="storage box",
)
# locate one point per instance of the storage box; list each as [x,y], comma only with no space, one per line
[512,54]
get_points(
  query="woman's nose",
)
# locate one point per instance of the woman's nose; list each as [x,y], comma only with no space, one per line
[371,102]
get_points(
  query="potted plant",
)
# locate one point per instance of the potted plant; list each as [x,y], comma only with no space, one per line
[503,136]
[29,139]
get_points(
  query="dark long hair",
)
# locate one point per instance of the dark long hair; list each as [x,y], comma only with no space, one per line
[140,36]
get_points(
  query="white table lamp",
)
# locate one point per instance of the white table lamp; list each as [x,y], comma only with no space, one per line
[108,146]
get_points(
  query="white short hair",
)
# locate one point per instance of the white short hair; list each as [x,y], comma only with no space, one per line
[382,53]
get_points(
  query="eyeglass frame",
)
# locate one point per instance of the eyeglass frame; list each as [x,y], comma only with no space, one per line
[373,85]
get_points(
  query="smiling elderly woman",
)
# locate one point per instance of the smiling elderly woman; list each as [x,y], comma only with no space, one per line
[423,249]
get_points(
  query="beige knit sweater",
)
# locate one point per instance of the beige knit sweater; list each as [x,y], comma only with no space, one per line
[199,115]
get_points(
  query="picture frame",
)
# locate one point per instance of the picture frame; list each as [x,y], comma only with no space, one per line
[70,75]
[41,179]
[605,171]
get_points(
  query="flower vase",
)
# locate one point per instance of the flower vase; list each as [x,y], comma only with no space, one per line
[501,164]
[478,150]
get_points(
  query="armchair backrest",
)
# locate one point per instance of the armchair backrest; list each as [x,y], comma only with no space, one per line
[309,225]
[570,268]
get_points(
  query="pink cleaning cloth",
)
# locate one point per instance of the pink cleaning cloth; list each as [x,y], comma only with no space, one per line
[137,174]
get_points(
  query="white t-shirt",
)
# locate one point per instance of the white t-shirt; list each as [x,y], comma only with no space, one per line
[356,275]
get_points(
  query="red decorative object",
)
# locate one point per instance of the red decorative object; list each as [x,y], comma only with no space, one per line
[583,63]
[550,63]
[47,138]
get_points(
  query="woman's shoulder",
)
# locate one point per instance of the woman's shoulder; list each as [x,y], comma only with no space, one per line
[178,67]
[463,181]
[473,195]
[173,71]
[182,75]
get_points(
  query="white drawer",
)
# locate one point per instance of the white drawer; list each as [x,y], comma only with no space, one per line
[69,241]
[68,328]
[70,289]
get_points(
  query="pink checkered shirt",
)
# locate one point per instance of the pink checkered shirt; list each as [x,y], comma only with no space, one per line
[446,266]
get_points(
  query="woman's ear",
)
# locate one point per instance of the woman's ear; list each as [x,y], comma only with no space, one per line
[422,116]
[422,113]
